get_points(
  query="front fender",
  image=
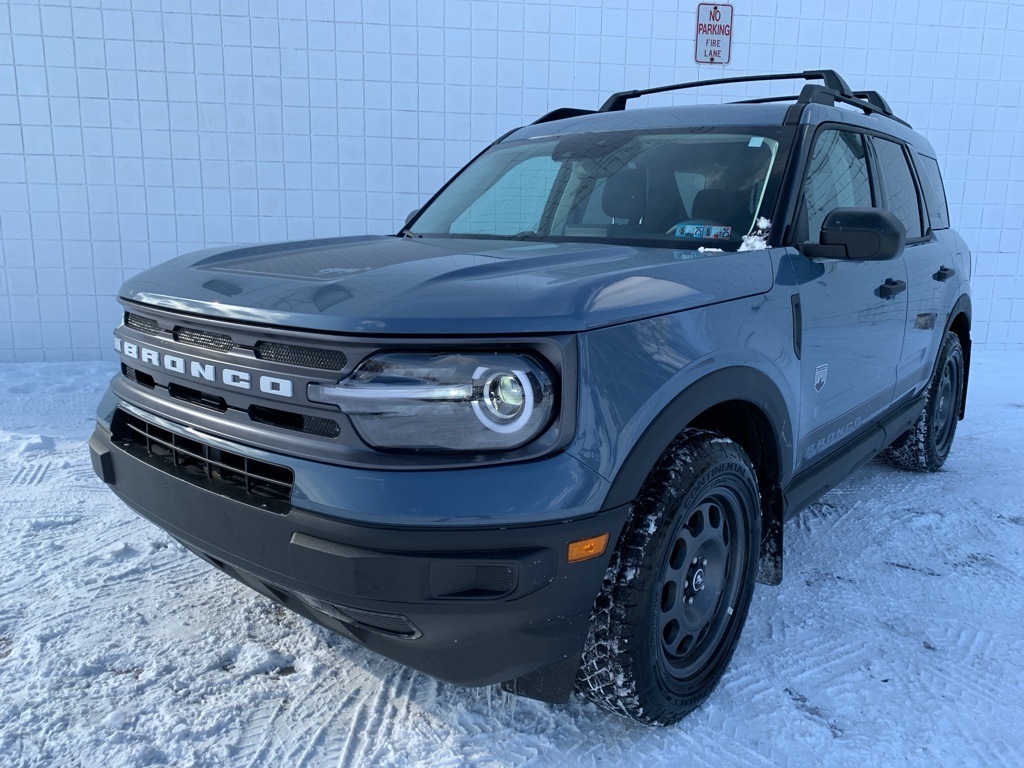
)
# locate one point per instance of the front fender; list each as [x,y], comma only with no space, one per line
[647,380]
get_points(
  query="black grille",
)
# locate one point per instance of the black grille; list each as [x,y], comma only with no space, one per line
[309,357]
[248,480]
[386,623]
[312,425]
[206,339]
[137,376]
[140,323]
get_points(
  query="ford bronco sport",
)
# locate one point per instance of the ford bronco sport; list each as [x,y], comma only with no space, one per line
[547,435]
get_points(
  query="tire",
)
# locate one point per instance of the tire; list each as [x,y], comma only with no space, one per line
[925,446]
[677,590]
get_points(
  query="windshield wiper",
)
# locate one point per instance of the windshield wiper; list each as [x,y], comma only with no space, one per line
[526,234]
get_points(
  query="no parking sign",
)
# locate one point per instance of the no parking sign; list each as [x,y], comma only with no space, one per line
[713,44]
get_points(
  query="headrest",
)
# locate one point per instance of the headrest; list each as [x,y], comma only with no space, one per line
[625,194]
[710,204]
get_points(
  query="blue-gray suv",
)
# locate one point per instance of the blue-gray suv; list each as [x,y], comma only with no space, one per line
[548,434]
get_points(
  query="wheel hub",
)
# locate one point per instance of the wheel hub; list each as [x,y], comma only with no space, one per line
[696,579]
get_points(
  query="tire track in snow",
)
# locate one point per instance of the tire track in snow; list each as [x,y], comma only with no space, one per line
[31,474]
[371,728]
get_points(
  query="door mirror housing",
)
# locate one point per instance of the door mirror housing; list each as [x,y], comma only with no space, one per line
[858,234]
[411,216]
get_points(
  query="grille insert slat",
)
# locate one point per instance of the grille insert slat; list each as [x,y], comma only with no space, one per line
[140,323]
[207,339]
[308,357]
[253,481]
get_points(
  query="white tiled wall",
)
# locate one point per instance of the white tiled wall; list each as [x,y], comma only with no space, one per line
[134,130]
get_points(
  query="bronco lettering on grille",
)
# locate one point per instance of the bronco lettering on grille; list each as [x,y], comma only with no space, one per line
[271,385]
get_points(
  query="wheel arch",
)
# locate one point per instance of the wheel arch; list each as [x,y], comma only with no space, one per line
[746,406]
[959,322]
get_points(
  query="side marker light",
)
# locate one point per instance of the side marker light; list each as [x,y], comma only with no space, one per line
[585,549]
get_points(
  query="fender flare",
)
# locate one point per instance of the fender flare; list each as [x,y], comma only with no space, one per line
[962,306]
[715,388]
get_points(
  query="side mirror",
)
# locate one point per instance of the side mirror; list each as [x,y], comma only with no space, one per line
[860,234]
[411,216]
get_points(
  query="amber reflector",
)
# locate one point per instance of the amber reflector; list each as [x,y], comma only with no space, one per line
[584,549]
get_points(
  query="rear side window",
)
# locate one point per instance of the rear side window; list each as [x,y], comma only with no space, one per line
[900,191]
[934,192]
[837,177]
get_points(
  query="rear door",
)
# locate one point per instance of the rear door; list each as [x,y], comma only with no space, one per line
[853,312]
[929,263]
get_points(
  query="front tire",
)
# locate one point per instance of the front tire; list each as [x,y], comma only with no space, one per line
[926,445]
[677,590]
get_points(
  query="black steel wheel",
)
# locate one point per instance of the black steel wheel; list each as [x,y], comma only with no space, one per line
[676,595]
[926,445]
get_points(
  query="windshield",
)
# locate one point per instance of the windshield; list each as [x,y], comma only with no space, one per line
[685,188]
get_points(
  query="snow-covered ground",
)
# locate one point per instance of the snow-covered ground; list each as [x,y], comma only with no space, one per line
[896,637]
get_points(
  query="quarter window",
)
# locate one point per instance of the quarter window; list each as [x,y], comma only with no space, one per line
[900,192]
[934,194]
[836,178]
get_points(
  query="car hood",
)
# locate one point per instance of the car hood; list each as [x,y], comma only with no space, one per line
[439,286]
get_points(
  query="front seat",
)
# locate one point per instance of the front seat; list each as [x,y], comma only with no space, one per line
[711,205]
[625,199]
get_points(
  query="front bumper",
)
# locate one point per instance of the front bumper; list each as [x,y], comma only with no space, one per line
[471,605]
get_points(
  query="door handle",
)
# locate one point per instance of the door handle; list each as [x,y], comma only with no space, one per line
[891,287]
[944,274]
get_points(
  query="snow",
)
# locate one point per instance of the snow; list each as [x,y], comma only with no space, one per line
[896,635]
[757,240]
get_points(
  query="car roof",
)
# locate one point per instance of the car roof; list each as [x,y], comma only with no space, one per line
[720,115]
[658,118]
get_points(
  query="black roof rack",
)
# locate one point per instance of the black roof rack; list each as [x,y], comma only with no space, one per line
[874,98]
[831,78]
[868,101]
[561,114]
[833,90]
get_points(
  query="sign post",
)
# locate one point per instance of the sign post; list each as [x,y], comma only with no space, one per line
[713,44]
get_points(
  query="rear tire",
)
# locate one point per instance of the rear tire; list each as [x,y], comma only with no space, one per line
[677,590]
[926,445]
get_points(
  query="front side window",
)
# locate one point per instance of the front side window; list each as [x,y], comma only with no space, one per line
[900,192]
[837,177]
[675,189]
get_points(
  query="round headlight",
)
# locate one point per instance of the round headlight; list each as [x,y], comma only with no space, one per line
[503,395]
[507,398]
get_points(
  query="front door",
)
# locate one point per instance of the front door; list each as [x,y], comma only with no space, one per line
[853,312]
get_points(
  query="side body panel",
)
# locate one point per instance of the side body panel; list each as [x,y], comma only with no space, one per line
[642,382]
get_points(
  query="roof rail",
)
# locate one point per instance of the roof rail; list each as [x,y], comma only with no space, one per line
[834,90]
[817,94]
[875,99]
[830,77]
[561,114]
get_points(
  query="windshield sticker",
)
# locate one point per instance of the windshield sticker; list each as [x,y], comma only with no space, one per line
[702,232]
